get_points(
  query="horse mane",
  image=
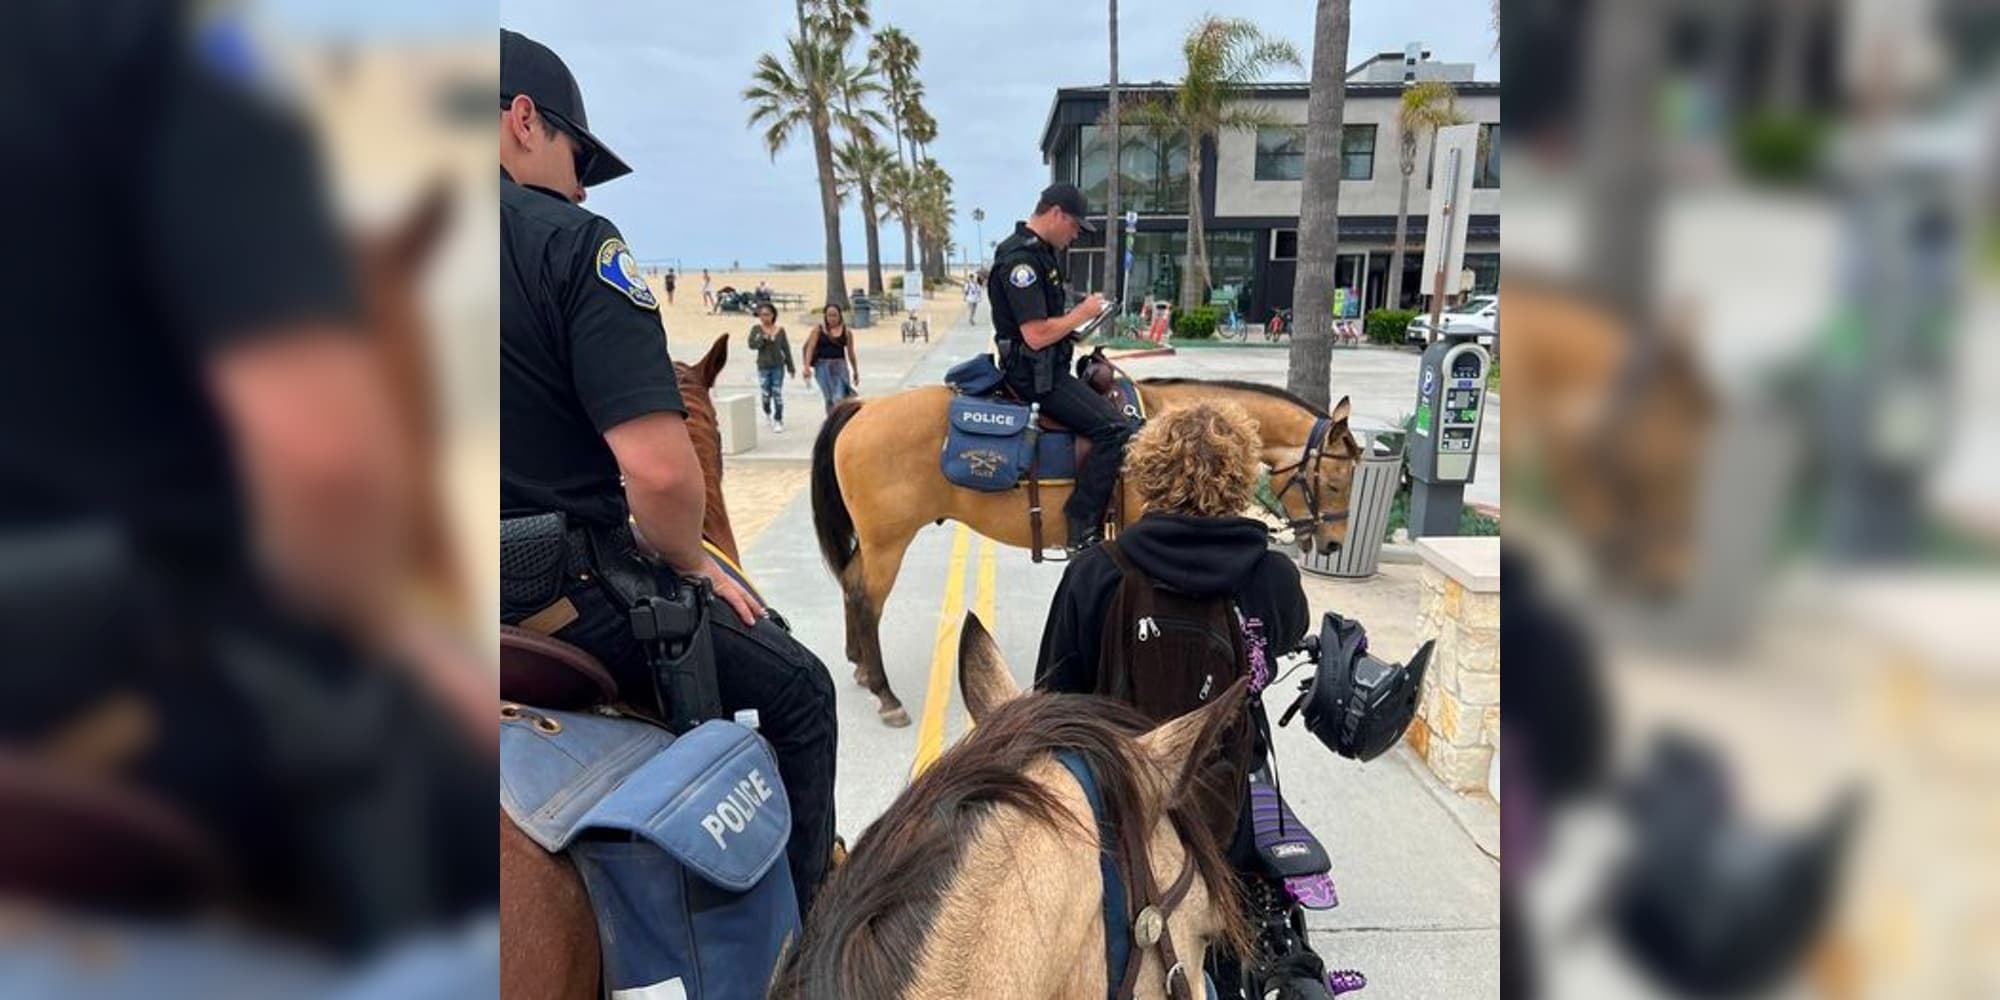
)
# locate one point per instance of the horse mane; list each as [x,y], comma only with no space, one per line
[1260,389]
[870,922]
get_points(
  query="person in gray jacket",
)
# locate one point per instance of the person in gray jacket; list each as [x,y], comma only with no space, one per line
[774,362]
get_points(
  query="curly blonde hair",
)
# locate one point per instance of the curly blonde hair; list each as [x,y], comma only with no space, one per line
[1200,459]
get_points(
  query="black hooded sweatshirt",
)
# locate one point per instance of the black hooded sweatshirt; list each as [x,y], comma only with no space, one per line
[1199,556]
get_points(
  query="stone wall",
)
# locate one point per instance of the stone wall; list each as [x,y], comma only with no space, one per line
[1457,728]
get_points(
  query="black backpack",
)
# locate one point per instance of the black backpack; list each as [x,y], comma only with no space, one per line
[1166,653]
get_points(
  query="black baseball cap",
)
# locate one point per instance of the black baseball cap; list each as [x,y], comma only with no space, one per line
[529,67]
[1069,199]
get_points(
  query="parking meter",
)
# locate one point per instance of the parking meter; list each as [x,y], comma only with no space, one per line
[1444,442]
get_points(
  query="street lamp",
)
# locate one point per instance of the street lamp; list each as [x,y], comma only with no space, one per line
[979,216]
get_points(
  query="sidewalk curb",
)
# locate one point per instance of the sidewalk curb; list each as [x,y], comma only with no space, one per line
[1475,814]
[1152,352]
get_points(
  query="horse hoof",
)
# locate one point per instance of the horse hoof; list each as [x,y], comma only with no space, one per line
[859,681]
[895,718]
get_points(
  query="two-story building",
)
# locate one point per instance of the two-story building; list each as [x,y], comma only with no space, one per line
[1251,189]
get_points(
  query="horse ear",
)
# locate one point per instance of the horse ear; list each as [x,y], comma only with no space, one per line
[983,675]
[1341,410]
[417,235]
[711,363]
[1181,745]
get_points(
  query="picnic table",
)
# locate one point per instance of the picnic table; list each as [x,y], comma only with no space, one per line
[789,300]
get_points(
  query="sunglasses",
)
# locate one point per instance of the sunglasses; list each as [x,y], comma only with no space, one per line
[585,150]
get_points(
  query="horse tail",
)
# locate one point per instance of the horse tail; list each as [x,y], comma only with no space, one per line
[831,519]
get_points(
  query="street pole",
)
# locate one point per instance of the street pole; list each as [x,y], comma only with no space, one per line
[1444,245]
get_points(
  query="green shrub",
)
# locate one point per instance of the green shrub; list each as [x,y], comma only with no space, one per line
[1779,148]
[1387,326]
[1197,323]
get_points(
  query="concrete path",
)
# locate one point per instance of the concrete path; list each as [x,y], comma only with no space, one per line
[1419,901]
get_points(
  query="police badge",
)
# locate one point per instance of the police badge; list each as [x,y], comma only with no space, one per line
[1021,276]
[615,267]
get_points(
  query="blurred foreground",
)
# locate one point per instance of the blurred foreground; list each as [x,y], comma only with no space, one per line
[246,488]
[1752,328]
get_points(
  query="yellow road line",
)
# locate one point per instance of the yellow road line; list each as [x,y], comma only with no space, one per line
[944,656]
[982,594]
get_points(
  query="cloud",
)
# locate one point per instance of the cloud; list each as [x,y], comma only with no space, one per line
[664,88]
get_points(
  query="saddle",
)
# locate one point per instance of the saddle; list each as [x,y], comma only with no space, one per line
[995,441]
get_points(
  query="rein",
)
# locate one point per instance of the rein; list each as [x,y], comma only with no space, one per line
[1148,927]
[1309,457]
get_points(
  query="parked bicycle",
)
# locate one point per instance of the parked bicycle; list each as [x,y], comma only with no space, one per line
[1280,325]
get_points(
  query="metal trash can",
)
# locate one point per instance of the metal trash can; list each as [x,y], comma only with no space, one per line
[864,311]
[1376,477]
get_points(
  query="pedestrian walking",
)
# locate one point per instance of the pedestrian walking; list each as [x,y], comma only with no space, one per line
[670,286]
[707,291]
[971,300]
[829,351]
[774,362]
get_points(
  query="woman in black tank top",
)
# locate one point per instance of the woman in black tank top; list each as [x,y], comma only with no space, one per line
[829,355]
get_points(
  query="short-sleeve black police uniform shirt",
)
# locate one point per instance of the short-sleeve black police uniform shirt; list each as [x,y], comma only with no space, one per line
[581,351]
[166,213]
[1026,282]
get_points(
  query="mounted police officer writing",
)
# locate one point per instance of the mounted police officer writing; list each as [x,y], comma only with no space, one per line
[1034,336]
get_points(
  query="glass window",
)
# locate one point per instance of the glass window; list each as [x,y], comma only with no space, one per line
[1231,264]
[1281,154]
[1357,152]
[1284,244]
[1485,268]
[1489,157]
[1153,170]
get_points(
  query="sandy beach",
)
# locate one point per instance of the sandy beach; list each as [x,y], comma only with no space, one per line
[691,328]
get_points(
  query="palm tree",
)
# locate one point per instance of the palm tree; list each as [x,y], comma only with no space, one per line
[934,211]
[1223,57]
[921,128]
[859,166]
[1309,368]
[809,92]
[1427,105]
[840,18]
[895,56]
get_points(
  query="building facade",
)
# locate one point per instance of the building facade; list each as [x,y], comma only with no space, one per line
[1251,190]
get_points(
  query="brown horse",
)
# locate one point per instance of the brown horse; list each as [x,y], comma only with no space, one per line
[545,916]
[982,878]
[1612,425]
[875,482]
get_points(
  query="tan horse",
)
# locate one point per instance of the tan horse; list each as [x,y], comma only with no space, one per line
[1612,426]
[982,879]
[876,482]
[545,916]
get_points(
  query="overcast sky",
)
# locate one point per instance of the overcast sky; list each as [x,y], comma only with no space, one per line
[663,84]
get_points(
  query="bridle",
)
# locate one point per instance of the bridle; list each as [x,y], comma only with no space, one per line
[1309,457]
[1148,926]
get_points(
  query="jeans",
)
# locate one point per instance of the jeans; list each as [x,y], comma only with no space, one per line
[771,392]
[1092,416]
[833,383]
[762,668]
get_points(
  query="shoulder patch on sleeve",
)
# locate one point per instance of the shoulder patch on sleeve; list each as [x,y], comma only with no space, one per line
[615,267]
[1021,276]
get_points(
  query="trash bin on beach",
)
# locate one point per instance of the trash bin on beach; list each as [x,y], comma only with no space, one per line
[864,311]
[1376,478]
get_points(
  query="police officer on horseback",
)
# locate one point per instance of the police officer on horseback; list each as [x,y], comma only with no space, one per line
[592,429]
[1034,336]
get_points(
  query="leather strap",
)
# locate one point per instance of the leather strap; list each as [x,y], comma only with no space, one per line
[1035,483]
[1147,926]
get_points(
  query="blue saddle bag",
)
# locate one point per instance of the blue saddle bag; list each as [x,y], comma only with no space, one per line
[680,841]
[985,444]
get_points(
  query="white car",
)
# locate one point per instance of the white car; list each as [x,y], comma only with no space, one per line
[1480,315]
